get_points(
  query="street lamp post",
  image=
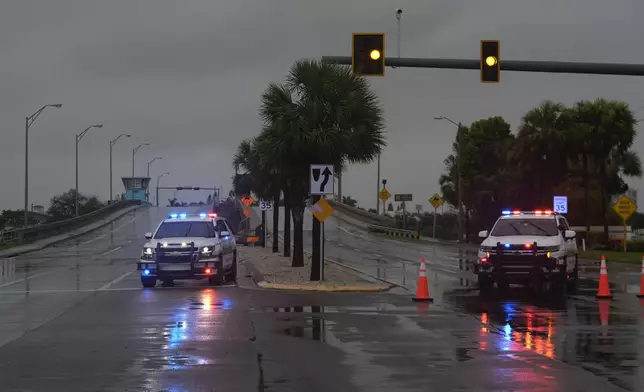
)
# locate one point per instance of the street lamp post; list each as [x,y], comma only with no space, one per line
[158,178]
[28,122]
[459,163]
[134,153]
[112,143]
[150,162]
[78,139]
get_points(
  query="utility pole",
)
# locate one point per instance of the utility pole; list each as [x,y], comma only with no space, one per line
[112,143]
[378,190]
[159,178]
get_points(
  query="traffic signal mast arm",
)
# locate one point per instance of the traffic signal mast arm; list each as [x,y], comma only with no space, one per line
[508,65]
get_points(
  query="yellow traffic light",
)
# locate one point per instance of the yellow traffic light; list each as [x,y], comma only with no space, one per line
[368,54]
[490,61]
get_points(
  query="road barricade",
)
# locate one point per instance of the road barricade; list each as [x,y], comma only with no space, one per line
[391,232]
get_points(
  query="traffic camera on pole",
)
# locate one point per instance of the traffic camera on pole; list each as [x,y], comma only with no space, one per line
[490,62]
[368,54]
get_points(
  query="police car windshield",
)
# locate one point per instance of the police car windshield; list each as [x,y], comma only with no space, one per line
[185,229]
[525,226]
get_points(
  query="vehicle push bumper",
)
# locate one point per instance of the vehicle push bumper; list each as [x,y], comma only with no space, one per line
[179,261]
[521,266]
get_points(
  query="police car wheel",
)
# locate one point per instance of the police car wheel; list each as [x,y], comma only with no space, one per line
[147,281]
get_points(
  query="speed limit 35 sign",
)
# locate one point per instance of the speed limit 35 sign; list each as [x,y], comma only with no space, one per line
[266,205]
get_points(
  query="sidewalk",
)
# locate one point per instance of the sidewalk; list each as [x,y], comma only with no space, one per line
[49,241]
[273,271]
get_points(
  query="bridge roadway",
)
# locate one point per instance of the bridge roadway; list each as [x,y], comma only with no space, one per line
[74,318]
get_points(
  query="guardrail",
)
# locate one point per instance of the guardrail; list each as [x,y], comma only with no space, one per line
[368,217]
[392,232]
[51,229]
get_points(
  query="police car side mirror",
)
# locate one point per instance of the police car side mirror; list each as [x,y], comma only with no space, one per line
[224,233]
[148,236]
[569,234]
[483,234]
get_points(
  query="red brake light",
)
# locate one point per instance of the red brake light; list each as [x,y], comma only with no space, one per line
[484,260]
[528,246]
[208,271]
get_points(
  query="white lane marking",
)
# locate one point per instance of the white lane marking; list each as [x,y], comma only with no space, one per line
[115,281]
[107,253]
[114,229]
[357,250]
[24,279]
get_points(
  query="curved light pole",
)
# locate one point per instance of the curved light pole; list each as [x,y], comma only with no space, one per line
[112,143]
[79,137]
[148,175]
[28,122]
[150,162]
[134,153]
[459,164]
[158,178]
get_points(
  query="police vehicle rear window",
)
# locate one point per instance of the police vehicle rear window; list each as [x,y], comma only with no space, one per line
[185,229]
[525,226]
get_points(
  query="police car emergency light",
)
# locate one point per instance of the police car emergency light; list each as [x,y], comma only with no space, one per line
[183,215]
[519,212]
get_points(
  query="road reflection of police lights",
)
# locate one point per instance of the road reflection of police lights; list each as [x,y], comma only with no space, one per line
[530,339]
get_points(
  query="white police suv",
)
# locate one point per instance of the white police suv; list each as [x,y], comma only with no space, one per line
[189,247]
[530,248]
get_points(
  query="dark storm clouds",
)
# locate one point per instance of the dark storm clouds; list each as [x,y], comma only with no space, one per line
[186,77]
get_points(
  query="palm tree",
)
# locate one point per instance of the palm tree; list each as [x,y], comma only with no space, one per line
[537,151]
[609,133]
[322,113]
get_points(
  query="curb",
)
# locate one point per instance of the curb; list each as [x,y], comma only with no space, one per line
[260,281]
[327,288]
[358,272]
[73,236]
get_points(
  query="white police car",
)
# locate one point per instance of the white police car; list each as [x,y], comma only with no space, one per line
[528,247]
[189,247]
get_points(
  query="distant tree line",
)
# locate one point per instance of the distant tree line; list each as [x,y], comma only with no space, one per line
[583,152]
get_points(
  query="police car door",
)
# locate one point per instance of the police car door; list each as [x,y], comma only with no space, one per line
[226,251]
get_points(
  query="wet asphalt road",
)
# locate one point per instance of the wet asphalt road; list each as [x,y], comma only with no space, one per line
[74,318]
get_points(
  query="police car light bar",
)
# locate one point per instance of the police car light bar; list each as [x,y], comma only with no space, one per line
[518,212]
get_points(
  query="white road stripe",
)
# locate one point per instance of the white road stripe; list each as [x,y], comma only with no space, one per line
[114,229]
[107,253]
[115,281]
[24,279]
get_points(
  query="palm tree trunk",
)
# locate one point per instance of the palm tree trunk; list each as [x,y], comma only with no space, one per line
[584,185]
[298,234]
[276,222]
[287,224]
[604,201]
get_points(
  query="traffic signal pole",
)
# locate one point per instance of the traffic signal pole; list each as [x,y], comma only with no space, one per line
[508,65]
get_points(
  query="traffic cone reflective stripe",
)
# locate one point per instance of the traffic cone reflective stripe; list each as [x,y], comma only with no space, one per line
[603,291]
[641,294]
[422,291]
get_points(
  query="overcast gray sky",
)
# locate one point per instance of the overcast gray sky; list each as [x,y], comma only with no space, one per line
[186,76]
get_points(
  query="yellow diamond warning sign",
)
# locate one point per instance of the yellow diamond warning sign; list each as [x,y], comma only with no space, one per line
[624,207]
[384,194]
[436,201]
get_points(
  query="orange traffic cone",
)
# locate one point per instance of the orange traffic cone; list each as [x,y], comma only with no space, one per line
[422,292]
[604,312]
[603,291]
[641,294]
